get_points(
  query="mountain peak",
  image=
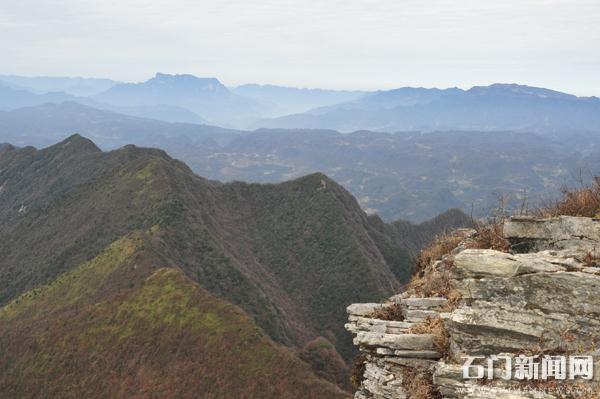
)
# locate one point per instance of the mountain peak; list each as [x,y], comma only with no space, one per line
[77,142]
[188,81]
[517,90]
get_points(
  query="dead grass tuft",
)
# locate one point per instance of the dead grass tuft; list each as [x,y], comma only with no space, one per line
[433,283]
[418,384]
[591,260]
[581,202]
[390,312]
[441,246]
[434,326]
[490,236]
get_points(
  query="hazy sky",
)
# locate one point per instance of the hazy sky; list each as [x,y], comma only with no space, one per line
[362,44]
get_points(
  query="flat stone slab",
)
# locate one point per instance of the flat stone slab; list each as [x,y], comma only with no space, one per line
[388,323]
[527,234]
[418,315]
[363,309]
[394,341]
[490,263]
[409,354]
[591,270]
[418,354]
[424,302]
[358,323]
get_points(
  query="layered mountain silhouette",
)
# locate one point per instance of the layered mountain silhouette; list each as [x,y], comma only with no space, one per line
[49,123]
[191,99]
[412,176]
[499,107]
[205,96]
[13,97]
[290,100]
[75,86]
[117,264]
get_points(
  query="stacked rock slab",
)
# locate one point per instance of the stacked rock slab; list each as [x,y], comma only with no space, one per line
[542,298]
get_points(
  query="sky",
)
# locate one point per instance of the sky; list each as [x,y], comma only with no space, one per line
[341,44]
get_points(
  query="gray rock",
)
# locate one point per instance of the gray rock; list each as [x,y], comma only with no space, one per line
[363,309]
[393,341]
[418,354]
[532,234]
[416,316]
[491,263]
[511,304]
[424,303]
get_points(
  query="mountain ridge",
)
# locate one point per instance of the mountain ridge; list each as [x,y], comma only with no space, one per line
[489,108]
[406,175]
[229,226]
[207,97]
[94,323]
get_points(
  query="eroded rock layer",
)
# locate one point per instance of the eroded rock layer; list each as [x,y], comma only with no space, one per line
[541,299]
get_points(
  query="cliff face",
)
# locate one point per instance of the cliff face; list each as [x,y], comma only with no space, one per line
[540,300]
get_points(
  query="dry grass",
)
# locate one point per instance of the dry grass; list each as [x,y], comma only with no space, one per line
[429,281]
[490,236]
[441,246]
[591,260]
[434,326]
[418,384]
[581,202]
[391,312]
[358,370]
[433,283]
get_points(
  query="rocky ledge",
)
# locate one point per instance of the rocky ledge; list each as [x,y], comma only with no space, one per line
[542,298]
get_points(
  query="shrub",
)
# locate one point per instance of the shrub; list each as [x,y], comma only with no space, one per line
[441,246]
[580,202]
[327,363]
[490,236]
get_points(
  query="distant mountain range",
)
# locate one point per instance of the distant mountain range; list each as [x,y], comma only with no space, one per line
[49,123]
[206,97]
[190,99]
[130,249]
[291,100]
[12,98]
[412,176]
[499,107]
[426,168]
[45,84]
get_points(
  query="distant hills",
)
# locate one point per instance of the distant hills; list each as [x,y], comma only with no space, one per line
[191,99]
[499,107]
[13,98]
[206,97]
[452,147]
[291,100]
[124,240]
[412,176]
[74,86]
[49,123]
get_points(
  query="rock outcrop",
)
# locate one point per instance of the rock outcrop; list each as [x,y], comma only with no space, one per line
[542,299]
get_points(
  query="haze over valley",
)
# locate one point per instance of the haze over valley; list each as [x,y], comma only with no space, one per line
[437,148]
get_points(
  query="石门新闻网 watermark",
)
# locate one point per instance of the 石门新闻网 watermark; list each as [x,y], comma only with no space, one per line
[526,368]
